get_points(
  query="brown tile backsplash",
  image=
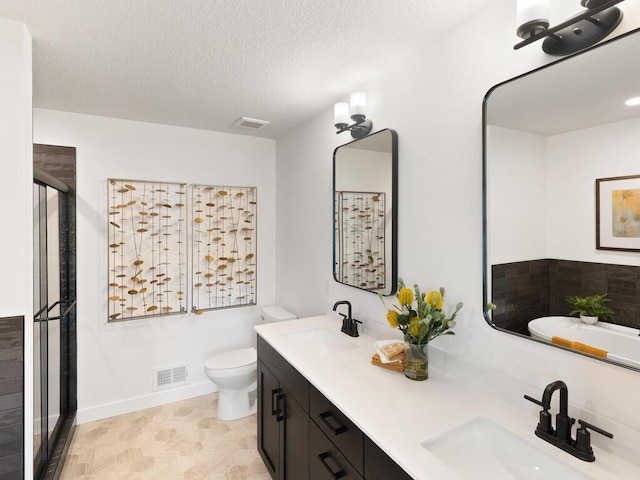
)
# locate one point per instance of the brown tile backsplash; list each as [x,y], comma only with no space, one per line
[526,290]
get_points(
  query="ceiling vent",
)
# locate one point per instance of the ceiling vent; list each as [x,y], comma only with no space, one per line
[252,123]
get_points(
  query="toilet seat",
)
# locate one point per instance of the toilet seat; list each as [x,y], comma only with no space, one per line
[232,359]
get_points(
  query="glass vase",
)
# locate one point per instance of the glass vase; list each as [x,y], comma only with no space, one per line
[416,362]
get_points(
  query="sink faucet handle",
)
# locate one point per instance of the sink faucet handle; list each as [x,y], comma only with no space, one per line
[584,425]
[583,439]
[544,420]
[531,399]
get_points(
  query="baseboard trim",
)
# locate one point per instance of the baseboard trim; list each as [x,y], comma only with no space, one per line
[99,412]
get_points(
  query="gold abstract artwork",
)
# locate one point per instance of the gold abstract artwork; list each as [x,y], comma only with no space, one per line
[360,237]
[147,235]
[223,267]
[625,213]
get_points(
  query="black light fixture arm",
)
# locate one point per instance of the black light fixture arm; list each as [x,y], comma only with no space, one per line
[359,129]
[580,31]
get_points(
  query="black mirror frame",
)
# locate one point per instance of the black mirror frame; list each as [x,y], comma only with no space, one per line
[394,211]
[485,262]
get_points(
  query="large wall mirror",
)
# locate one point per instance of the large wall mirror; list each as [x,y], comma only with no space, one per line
[365,181]
[556,143]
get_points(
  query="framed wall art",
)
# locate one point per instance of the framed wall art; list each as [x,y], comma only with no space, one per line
[223,247]
[618,213]
[360,238]
[147,237]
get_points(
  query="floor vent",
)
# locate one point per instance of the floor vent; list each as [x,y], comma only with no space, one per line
[170,377]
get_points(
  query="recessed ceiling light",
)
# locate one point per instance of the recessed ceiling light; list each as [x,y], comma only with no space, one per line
[252,123]
[632,102]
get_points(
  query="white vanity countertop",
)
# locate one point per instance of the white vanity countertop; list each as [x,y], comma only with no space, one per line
[399,414]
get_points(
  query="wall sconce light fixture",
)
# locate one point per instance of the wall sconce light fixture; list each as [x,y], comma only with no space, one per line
[574,34]
[344,113]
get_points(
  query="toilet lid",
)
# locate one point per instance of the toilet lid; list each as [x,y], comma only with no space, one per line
[233,359]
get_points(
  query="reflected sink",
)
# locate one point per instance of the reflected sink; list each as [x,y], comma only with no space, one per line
[319,340]
[482,449]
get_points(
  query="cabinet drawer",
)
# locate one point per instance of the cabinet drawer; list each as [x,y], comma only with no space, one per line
[325,461]
[348,438]
[379,466]
[290,379]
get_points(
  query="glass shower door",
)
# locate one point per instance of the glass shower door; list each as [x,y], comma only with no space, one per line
[49,318]
[40,340]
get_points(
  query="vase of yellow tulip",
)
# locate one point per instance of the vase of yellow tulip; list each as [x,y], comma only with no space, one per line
[420,318]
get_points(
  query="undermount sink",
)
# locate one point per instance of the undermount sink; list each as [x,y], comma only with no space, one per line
[320,340]
[482,449]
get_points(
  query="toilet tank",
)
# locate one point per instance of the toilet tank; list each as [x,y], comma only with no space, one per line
[274,313]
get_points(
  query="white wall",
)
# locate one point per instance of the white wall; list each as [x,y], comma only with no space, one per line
[16,179]
[434,101]
[542,191]
[16,168]
[116,360]
[516,195]
[576,159]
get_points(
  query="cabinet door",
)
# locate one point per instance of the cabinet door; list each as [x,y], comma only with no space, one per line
[270,416]
[296,440]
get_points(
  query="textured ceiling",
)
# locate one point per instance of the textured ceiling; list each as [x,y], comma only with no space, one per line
[205,63]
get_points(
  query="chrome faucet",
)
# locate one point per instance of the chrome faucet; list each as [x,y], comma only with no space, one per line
[561,436]
[349,324]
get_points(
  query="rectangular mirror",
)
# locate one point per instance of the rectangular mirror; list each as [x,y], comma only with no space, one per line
[551,137]
[365,180]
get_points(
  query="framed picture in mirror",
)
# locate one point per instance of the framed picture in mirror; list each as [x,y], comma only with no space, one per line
[618,213]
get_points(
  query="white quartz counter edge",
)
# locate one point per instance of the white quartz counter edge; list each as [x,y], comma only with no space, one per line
[399,414]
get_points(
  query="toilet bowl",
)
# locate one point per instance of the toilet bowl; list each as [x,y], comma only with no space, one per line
[234,372]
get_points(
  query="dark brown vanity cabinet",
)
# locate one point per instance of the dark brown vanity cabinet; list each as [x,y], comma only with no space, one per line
[379,466]
[337,445]
[283,418]
[326,461]
[302,435]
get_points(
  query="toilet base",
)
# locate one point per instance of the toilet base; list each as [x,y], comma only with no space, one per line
[235,404]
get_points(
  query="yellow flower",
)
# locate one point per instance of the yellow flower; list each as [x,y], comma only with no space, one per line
[435,299]
[414,327]
[392,318]
[405,296]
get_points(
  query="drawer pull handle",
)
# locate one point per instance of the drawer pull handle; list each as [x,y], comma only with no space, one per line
[336,430]
[274,400]
[334,475]
[280,412]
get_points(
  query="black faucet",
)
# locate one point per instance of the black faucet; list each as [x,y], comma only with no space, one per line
[349,325]
[561,436]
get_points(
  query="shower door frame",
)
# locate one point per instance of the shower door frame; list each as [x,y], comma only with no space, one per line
[49,456]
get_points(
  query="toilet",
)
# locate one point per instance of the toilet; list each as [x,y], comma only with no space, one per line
[234,372]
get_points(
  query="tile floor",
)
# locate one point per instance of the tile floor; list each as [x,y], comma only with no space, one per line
[182,440]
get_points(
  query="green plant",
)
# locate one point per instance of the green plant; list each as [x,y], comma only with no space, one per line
[591,306]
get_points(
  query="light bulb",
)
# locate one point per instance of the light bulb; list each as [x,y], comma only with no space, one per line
[358,104]
[341,114]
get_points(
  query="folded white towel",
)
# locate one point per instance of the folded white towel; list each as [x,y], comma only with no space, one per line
[388,349]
